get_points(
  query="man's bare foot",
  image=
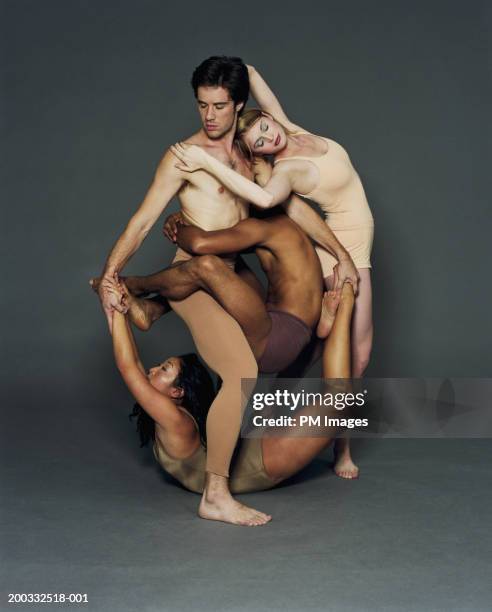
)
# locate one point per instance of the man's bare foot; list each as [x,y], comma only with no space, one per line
[143,313]
[95,282]
[344,466]
[217,504]
[331,300]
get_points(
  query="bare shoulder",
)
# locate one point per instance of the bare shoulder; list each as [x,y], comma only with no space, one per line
[262,171]
[260,164]
[166,167]
[197,139]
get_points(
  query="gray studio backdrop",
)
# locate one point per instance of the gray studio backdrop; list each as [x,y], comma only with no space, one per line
[94,92]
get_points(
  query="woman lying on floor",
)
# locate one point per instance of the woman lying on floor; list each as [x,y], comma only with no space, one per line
[174,396]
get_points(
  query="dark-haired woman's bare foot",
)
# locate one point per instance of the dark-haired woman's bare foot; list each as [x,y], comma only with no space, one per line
[331,300]
[217,504]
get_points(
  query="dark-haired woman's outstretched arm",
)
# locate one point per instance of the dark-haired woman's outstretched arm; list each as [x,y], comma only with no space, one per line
[161,408]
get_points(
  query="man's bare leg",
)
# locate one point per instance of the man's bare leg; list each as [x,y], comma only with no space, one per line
[210,273]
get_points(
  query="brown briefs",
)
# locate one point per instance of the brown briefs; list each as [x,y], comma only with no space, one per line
[288,336]
[247,470]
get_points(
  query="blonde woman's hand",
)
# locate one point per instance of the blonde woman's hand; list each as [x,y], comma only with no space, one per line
[190,157]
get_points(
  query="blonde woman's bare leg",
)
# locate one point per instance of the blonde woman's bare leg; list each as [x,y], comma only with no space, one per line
[362,325]
[362,334]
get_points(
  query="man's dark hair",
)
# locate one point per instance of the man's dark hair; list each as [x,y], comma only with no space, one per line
[222,71]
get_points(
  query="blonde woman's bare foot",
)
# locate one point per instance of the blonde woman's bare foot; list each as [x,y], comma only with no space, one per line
[344,466]
[331,300]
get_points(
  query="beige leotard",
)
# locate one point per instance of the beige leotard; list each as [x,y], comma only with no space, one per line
[247,469]
[341,196]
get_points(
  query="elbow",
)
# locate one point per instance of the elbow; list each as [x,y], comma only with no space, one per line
[122,367]
[199,246]
[270,200]
[267,200]
[191,244]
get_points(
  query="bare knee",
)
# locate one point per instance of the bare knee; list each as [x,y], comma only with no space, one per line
[205,265]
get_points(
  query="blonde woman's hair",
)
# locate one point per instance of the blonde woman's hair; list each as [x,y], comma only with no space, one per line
[245,122]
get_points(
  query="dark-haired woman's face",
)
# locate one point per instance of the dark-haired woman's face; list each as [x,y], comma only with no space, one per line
[265,137]
[163,376]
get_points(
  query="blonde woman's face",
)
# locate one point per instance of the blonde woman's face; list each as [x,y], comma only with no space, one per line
[265,137]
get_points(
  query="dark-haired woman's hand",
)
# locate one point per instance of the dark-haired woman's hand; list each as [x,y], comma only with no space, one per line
[116,291]
[346,272]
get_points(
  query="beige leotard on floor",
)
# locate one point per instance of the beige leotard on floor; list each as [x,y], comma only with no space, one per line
[341,196]
[222,345]
[247,469]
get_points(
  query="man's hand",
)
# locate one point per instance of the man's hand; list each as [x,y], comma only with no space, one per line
[171,224]
[190,157]
[110,297]
[345,272]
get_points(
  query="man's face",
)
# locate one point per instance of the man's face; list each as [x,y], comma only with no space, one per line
[217,111]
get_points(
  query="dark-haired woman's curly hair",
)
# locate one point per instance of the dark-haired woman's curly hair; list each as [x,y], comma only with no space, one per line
[198,394]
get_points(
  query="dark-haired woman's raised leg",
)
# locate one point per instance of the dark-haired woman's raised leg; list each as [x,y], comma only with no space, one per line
[284,456]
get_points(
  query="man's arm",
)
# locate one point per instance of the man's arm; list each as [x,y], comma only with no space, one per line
[312,224]
[167,182]
[241,236]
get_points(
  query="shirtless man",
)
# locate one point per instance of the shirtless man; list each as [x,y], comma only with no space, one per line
[221,89]
[276,331]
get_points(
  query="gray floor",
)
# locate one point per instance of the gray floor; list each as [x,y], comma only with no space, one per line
[85,511]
